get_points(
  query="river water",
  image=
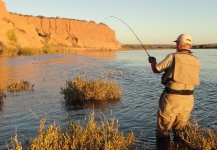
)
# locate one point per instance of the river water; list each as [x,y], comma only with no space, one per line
[21,112]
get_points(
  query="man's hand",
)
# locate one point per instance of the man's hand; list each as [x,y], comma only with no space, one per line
[151,59]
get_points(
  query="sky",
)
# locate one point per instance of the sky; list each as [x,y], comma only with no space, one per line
[153,21]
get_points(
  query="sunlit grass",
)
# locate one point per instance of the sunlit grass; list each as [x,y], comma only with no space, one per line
[115,73]
[199,138]
[92,135]
[81,89]
[20,86]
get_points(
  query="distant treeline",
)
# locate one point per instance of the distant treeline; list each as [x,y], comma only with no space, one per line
[166,46]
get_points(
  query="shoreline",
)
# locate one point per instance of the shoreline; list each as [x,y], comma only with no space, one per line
[74,50]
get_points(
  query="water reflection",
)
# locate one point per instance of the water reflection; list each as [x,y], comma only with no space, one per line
[91,104]
[102,54]
[3,77]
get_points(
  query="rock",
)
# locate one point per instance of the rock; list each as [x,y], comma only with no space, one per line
[36,31]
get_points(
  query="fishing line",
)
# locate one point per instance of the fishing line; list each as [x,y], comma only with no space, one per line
[131,30]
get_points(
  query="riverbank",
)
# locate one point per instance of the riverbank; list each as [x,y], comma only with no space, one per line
[47,49]
[166,46]
[62,49]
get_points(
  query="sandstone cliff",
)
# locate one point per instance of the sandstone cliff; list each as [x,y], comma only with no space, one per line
[37,31]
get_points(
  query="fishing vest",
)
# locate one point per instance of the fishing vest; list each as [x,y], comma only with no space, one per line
[185,69]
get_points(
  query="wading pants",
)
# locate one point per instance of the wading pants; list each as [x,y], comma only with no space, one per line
[174,112]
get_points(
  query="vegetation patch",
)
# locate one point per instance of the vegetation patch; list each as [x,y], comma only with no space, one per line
[92,135]
[20,86]
[11,35]
[27,51]
[115,73]
[81,89]
[2,95]
[7,20]
[196,137]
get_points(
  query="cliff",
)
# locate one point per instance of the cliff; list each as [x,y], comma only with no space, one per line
[36,31]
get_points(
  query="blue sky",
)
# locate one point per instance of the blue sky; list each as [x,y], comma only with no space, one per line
[154,22]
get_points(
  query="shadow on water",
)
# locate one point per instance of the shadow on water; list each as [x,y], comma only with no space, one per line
[90,104]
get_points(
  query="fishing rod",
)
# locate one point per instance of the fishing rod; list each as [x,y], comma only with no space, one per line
[131,30]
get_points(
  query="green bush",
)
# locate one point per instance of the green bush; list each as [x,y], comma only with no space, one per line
[80,89]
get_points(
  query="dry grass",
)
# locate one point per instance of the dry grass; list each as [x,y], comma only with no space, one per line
[80,89]
[20,86]
[2,94]
[196,137]
[90,136]
[115,73]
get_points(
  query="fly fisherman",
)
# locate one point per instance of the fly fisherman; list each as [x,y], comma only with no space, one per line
[181,74]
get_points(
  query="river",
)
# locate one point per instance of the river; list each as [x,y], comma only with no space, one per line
[21,112]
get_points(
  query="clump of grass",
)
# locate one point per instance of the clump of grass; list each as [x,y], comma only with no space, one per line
[2,95]
[196,137]
[80,89]
[20,86]
[28,51]
[92,135]
[115,73]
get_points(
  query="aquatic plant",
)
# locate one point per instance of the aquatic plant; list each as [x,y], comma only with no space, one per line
[80,89]
[115,73]
[2,94]
[20,86]
[196,137]
[95,135]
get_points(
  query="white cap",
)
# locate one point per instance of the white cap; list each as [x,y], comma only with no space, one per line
[184,38]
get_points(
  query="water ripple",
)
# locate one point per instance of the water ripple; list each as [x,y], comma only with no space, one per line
[135,111]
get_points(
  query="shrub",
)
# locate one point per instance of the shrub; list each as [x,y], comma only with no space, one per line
[81,90]
[7,20]
[19,86]
[91,135]
[2,95]
[29,51]
[115,73]
[11,35]
[196,137]
[1,51]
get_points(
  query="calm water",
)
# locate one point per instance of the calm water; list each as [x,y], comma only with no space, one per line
[21,112]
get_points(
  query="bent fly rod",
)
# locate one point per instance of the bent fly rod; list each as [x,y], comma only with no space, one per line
[132,31]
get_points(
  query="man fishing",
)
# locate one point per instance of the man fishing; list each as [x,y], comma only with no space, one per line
[181,74]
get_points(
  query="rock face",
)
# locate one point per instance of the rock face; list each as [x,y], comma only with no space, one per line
[30,31]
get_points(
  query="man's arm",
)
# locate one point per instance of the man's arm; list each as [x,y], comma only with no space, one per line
[163,65]
[153,62]
[153,67]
